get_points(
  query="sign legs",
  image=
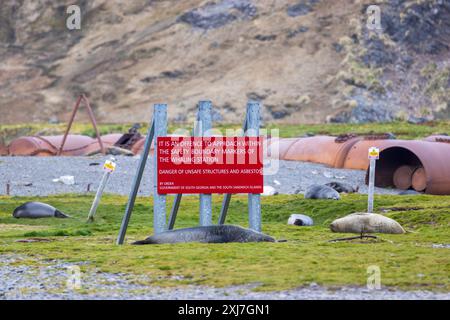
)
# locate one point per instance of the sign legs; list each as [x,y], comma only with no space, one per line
[254,200]
[205,124]
[159,200]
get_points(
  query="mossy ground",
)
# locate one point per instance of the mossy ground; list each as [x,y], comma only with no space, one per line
[406,261]
[402,130]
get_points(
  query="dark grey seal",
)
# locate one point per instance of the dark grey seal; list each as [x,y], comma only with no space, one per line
[342,187]
[208,234]
[317,191]
[36,210]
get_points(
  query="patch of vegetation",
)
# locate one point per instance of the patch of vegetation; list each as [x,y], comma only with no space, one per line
[402,130]
[407,261]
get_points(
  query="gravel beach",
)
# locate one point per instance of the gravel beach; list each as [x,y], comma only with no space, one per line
[52,280]
[33,176]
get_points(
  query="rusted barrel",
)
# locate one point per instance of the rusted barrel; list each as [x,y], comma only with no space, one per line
[419,179]
[403,177]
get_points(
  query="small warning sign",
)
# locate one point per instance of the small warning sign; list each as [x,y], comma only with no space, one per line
[374,153]
[109,166]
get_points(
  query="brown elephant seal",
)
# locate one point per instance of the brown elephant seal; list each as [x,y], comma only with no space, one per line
[208,234]
[317,191]
[35,210]
[362,222]
[342,187]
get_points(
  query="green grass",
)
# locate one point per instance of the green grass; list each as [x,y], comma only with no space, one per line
[402,130]
[407,261]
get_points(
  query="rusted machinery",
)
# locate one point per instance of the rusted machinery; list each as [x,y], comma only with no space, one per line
[75,145]
[3,150]
[422,165]
[429,164]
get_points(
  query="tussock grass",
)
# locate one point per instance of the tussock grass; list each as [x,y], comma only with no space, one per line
[407,261]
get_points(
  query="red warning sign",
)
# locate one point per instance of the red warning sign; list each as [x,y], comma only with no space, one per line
[210,165]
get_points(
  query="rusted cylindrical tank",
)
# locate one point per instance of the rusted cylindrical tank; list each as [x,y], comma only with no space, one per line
[280,145]
[47,146]
[419,179]
[403,177]
[357,157]
[321,149]
[432,157]
[3,150]
[76,145]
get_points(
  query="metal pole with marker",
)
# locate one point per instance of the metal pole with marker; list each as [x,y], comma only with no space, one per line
[108,167]
[374,155]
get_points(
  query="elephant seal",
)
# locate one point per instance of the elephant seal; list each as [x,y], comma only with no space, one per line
[342,187]
[208,234]
[362,222]
[300,220]
[34,210]
[317,191]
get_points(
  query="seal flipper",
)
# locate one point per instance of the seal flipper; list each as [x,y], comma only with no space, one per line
[59,214]
[145,241]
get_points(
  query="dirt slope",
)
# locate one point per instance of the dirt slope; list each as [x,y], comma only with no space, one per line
[305,60]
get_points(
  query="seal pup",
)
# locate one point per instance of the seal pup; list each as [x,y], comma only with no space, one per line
[208,234]
[362,222]
[36,210]
[300,220]
[317,191]
[342,187]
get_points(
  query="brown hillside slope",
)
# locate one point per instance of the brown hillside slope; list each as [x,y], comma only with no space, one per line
[306,60]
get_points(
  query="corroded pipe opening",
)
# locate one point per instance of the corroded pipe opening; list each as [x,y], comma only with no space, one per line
[391,160]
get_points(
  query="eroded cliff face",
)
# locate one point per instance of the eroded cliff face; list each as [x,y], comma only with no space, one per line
[305,60]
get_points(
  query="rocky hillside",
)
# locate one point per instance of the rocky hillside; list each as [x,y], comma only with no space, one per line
[305,60]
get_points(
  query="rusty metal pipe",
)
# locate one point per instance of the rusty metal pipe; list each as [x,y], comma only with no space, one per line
[433,157]
[419,179]
[403,177]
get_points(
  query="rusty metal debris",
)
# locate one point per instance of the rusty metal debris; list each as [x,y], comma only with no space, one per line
[431,159]
[81,98]
[403,177]
[422,165]
[128,140]
[3,150]
[419,179]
